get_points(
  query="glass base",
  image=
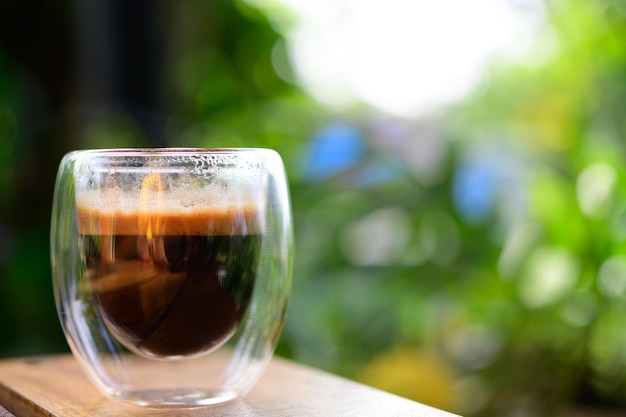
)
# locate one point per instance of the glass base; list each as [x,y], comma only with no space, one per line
[176,397]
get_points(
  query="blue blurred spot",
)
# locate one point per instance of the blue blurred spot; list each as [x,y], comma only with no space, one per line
[377,172]
[473,192]
[334,149]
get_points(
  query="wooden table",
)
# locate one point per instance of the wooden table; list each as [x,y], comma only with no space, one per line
[56,386]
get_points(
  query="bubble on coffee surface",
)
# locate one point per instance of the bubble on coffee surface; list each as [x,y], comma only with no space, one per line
[231,194]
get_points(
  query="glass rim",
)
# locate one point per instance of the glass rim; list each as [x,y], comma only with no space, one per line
[167,151]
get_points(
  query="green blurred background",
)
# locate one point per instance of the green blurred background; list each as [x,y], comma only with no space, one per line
[469,254]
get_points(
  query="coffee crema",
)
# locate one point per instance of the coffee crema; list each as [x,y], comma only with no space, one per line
[170,283]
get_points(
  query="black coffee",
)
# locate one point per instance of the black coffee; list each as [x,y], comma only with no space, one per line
[169,296]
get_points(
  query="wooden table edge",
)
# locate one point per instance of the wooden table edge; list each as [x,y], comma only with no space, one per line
[28,389]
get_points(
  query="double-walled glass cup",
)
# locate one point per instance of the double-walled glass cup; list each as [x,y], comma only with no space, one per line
[172,269]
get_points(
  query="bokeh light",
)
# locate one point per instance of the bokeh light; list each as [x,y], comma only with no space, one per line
[401,56]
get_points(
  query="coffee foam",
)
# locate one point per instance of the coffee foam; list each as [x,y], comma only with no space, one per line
[172,212]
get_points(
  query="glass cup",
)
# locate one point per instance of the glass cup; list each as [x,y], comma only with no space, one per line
[172,269]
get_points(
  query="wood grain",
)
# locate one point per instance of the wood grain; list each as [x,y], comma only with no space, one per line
[56,386]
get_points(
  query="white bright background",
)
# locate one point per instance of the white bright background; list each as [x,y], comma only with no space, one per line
[404,57]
